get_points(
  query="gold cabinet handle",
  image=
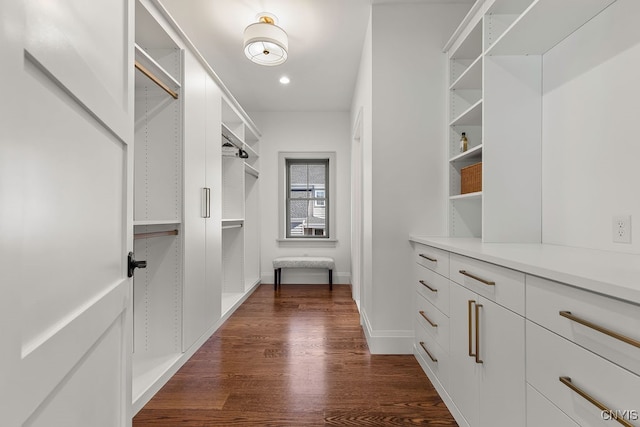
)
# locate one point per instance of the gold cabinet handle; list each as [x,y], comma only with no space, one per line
[435,325]
[428,352]
[567,381]
[427,258]
[426,285]
[479,279]
[469,305]
[601,329]
[477,355]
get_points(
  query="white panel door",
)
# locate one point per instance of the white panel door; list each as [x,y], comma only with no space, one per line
[66,218]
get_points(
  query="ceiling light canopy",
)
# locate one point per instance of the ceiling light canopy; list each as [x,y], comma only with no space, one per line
[264,42]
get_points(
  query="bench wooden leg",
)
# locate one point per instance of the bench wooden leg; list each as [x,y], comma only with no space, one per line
[330,279]
[275,279]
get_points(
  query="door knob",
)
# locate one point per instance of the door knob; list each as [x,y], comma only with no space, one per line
[133,264]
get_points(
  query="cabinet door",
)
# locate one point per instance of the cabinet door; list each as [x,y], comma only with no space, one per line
[502,376]
[464,372]
[195,298]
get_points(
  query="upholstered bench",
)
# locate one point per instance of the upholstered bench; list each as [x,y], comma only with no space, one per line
[301,262]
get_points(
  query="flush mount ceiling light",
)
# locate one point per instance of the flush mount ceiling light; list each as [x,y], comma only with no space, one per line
[264,42]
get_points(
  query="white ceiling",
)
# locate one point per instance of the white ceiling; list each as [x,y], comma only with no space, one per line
[325,44]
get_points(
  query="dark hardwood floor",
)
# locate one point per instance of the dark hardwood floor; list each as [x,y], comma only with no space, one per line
[292,358]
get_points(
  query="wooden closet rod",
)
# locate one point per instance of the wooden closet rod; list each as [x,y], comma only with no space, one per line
[156,80]
[155,234]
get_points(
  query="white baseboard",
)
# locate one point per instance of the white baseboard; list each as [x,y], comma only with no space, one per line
[387,341]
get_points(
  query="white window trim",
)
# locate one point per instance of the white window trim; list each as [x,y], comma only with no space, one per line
[282,191]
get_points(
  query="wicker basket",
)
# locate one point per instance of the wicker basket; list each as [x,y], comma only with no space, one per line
[471,178]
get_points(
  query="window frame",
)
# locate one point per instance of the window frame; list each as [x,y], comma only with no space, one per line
[290,187]
[330,197]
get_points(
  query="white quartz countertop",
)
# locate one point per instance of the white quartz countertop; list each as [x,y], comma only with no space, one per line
[615,274]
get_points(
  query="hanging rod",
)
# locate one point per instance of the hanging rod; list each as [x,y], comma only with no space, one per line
[156,80]
[155,234]
[226,227]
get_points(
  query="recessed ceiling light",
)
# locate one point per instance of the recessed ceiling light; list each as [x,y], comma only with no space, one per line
[285,80]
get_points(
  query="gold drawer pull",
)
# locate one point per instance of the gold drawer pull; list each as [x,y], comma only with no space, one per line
[567,381]
[429,353]
[469,305]
[477,355]
[479,279]
[427,258]
[601,329]
[435,325]
[423,283]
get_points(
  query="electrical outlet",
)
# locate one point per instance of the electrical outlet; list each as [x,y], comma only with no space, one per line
[621,228]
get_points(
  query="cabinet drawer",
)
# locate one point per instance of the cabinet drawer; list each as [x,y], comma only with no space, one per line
[542,413]
[499,284]
[433,321]
[546,299]
[433,258]
[438,360]
[434,287]
[551,357]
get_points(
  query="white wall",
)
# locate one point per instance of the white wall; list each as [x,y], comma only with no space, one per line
[402,89]
[304,131]
[591,142]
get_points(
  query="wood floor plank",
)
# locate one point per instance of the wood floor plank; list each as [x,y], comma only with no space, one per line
[291,358]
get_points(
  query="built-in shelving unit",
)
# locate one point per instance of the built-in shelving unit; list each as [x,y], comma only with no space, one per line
[158,203]
[240,210]
[495,75]
[466,115]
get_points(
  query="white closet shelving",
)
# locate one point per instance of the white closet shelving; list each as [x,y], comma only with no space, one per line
[157,294]
[240,209]
[466,115]
[495,64]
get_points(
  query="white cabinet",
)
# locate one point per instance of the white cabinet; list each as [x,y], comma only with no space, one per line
[469,336]
[534,338]
[487,353]
[202,288]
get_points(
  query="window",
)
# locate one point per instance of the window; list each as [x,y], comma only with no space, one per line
[307,203]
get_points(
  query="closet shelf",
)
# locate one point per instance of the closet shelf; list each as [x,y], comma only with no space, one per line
[471,46]
[251,170]
[558,18]
[471,78]
[232,221]
[472,116]
[229,136]
[138,236]
[474,153]
[468,196]
[155,72]
[157,222]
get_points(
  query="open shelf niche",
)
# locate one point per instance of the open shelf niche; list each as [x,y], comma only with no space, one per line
[158,203]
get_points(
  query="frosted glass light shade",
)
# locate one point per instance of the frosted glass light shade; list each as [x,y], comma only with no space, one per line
[265,44]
